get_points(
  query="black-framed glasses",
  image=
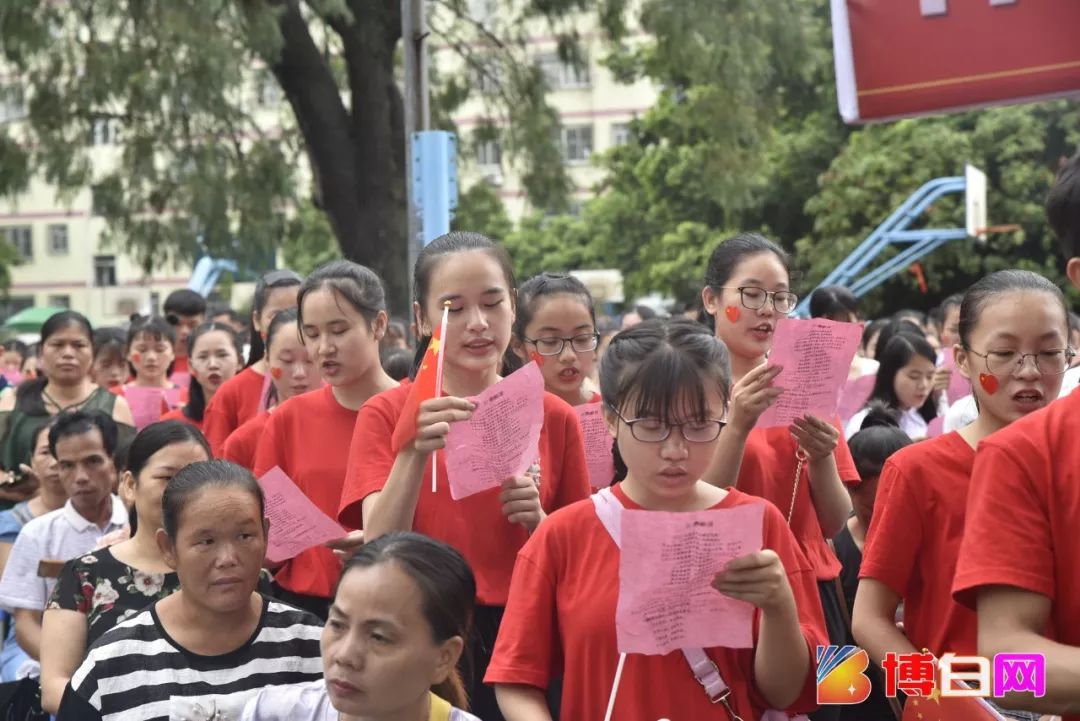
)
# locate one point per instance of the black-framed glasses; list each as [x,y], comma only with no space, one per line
[755,298]
[1010,362]
[655,430]
[553,345]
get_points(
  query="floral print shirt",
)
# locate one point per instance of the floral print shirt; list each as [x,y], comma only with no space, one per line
[107,591]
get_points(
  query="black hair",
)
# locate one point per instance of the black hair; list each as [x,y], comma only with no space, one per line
[14,345]
[268,283]
[28,394]
[395,330]
[184,302]
[1063,208]
[834,302]
[282,320]
[1074,322]
[76,423]
[895,326]
[359,285]
[546,285]
[110,339]
[915,316]
[197,477]
[458,241]
[447,589]
[874,326]
[397,363]
[727,256]
[154,328]
[644,312]
[44,428]
[896,354]
[157,436]
[987,288]
[213,311]
[196,405]
[879,438]
[658,363]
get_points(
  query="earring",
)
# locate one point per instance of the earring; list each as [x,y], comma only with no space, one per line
[989,383]
[732,312]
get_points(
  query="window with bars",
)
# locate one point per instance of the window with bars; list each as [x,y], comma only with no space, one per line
[576,142]
[21,238]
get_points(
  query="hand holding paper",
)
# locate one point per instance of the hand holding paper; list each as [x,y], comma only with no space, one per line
[296,523]
[815,356]
[758,578]
[520,499]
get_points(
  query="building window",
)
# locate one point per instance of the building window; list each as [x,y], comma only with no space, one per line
[58,301]
[620,134]
[105,131]
[14,304]
[104,270]
[488,152]
[155,303]
[564,76]
[268,91]
[488,75]
[12,104]
[21,238]
[577,143]
[58,239]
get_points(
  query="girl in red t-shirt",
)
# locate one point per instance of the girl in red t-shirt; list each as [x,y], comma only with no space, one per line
[342,315]
[292,372]
[213,358]
[1014,346]
[802,469]
[391,491]
[556,324]
[241,399]
[666,389]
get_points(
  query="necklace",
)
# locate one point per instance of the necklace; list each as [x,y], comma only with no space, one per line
[60,408]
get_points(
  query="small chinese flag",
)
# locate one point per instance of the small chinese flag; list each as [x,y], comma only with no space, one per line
[939,708]
[426,385]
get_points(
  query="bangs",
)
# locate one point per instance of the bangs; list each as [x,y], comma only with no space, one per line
[669,386]
[148,334]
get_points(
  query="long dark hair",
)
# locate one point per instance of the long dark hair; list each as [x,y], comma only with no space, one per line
[270,282]
[28,394]
[897,353]
[457,241]
[152,439]
[984,290]
[656,364]
[447,587]
[195,478]
[287,320]
[196,405]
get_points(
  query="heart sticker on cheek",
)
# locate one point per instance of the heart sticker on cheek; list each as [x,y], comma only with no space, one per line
[276,373]
[136,357]
[989,383]
[537,357]
[732,313]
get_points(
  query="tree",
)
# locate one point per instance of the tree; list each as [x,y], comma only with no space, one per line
[199,170]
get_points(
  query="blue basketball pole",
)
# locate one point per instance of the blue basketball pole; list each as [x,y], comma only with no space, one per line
[434,181]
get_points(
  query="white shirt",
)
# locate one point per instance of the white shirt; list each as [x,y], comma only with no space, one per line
[310,702]
[964,412]
[911,422]
[58,535]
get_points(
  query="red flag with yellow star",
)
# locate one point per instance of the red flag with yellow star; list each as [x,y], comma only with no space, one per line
[427,384]
[948,708]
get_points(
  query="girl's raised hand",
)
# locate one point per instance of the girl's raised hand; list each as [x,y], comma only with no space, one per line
[520,499]
[757,578]
[752,395]
[434,419]
[817,437]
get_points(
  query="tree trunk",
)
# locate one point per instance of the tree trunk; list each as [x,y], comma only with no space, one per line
[357,157]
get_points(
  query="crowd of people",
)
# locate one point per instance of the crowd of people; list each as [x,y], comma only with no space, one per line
[932,514]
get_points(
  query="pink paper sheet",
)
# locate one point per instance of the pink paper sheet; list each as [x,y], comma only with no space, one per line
[959,386]
[854,394]
[598,443]
[666,568]
[296,523]
[816,356]
[502,439]
[145,403]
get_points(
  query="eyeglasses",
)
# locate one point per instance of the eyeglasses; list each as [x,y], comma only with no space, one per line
[654,430]
[552,345]
[1010,362]
[754,298]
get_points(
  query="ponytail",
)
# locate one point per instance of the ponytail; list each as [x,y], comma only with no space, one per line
[452,690]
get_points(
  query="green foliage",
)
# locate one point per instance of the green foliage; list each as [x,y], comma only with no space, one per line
[481,210]
[309,241]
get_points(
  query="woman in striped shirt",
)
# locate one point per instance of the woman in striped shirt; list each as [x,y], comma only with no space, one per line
[398,623]
[202,652]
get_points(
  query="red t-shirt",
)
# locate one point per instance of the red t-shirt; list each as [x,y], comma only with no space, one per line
[308,437]
[914,540]
[241,445]
[177,414]
[768,471]
[181,372]
[561,614]
[236,402]
[1022,514]
[475,526]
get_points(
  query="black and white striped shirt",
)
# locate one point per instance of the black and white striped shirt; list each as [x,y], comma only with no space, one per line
[136,672]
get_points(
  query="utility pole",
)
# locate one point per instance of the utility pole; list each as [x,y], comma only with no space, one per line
[417,113]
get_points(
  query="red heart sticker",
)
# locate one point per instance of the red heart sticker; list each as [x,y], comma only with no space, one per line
[276,373]
[732,313]
[989,383]
[136,357]
[537,357]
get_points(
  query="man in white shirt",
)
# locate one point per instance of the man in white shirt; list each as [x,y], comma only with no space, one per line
[84,444]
